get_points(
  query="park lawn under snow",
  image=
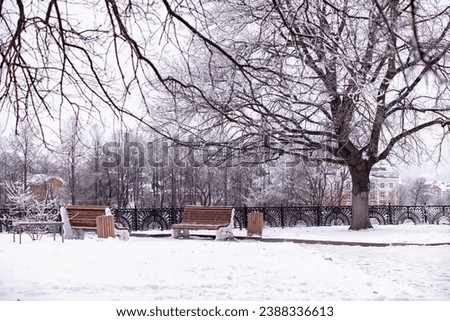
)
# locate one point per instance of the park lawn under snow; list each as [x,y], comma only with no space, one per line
[204,269]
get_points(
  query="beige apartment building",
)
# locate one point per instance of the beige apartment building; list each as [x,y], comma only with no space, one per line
[384,187]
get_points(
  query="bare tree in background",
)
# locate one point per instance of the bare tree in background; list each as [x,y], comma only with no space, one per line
[342,81]
[71,153]
[419,191]
[24,153]
[318,185]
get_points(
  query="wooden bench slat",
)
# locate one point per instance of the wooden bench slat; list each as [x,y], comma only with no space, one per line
[88,207]
[195,226]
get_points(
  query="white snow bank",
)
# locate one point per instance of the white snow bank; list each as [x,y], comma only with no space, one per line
[423,233]
[198,269]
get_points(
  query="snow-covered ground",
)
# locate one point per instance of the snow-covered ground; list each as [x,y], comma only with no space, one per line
[203,269]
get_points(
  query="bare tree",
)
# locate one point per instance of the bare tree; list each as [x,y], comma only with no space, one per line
[418,191]
[342,81]
[5,172]
[339,184]
[345,82]
[71,152]
[24,152]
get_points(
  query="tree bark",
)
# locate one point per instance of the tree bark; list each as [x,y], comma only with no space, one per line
[360,200]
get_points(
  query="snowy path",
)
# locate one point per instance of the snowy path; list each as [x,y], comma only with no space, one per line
[424,269]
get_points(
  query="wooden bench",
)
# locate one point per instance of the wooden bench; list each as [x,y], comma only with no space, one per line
[84,217]
[218,218]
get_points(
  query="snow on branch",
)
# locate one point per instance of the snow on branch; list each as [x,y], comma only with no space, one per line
[25,207]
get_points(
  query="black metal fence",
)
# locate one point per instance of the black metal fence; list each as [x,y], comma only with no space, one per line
[162,218]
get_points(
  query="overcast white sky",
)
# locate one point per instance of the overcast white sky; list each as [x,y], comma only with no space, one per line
[428,171]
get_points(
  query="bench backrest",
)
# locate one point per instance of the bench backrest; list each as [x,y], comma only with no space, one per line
[207,214]
[85,215]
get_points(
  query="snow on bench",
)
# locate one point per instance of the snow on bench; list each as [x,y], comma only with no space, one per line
[218,218]
[79,218]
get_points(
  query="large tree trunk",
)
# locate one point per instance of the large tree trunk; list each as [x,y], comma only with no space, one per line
[360,196]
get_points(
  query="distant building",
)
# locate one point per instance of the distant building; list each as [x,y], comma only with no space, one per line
[384,187]
[437,192]
[47,187]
